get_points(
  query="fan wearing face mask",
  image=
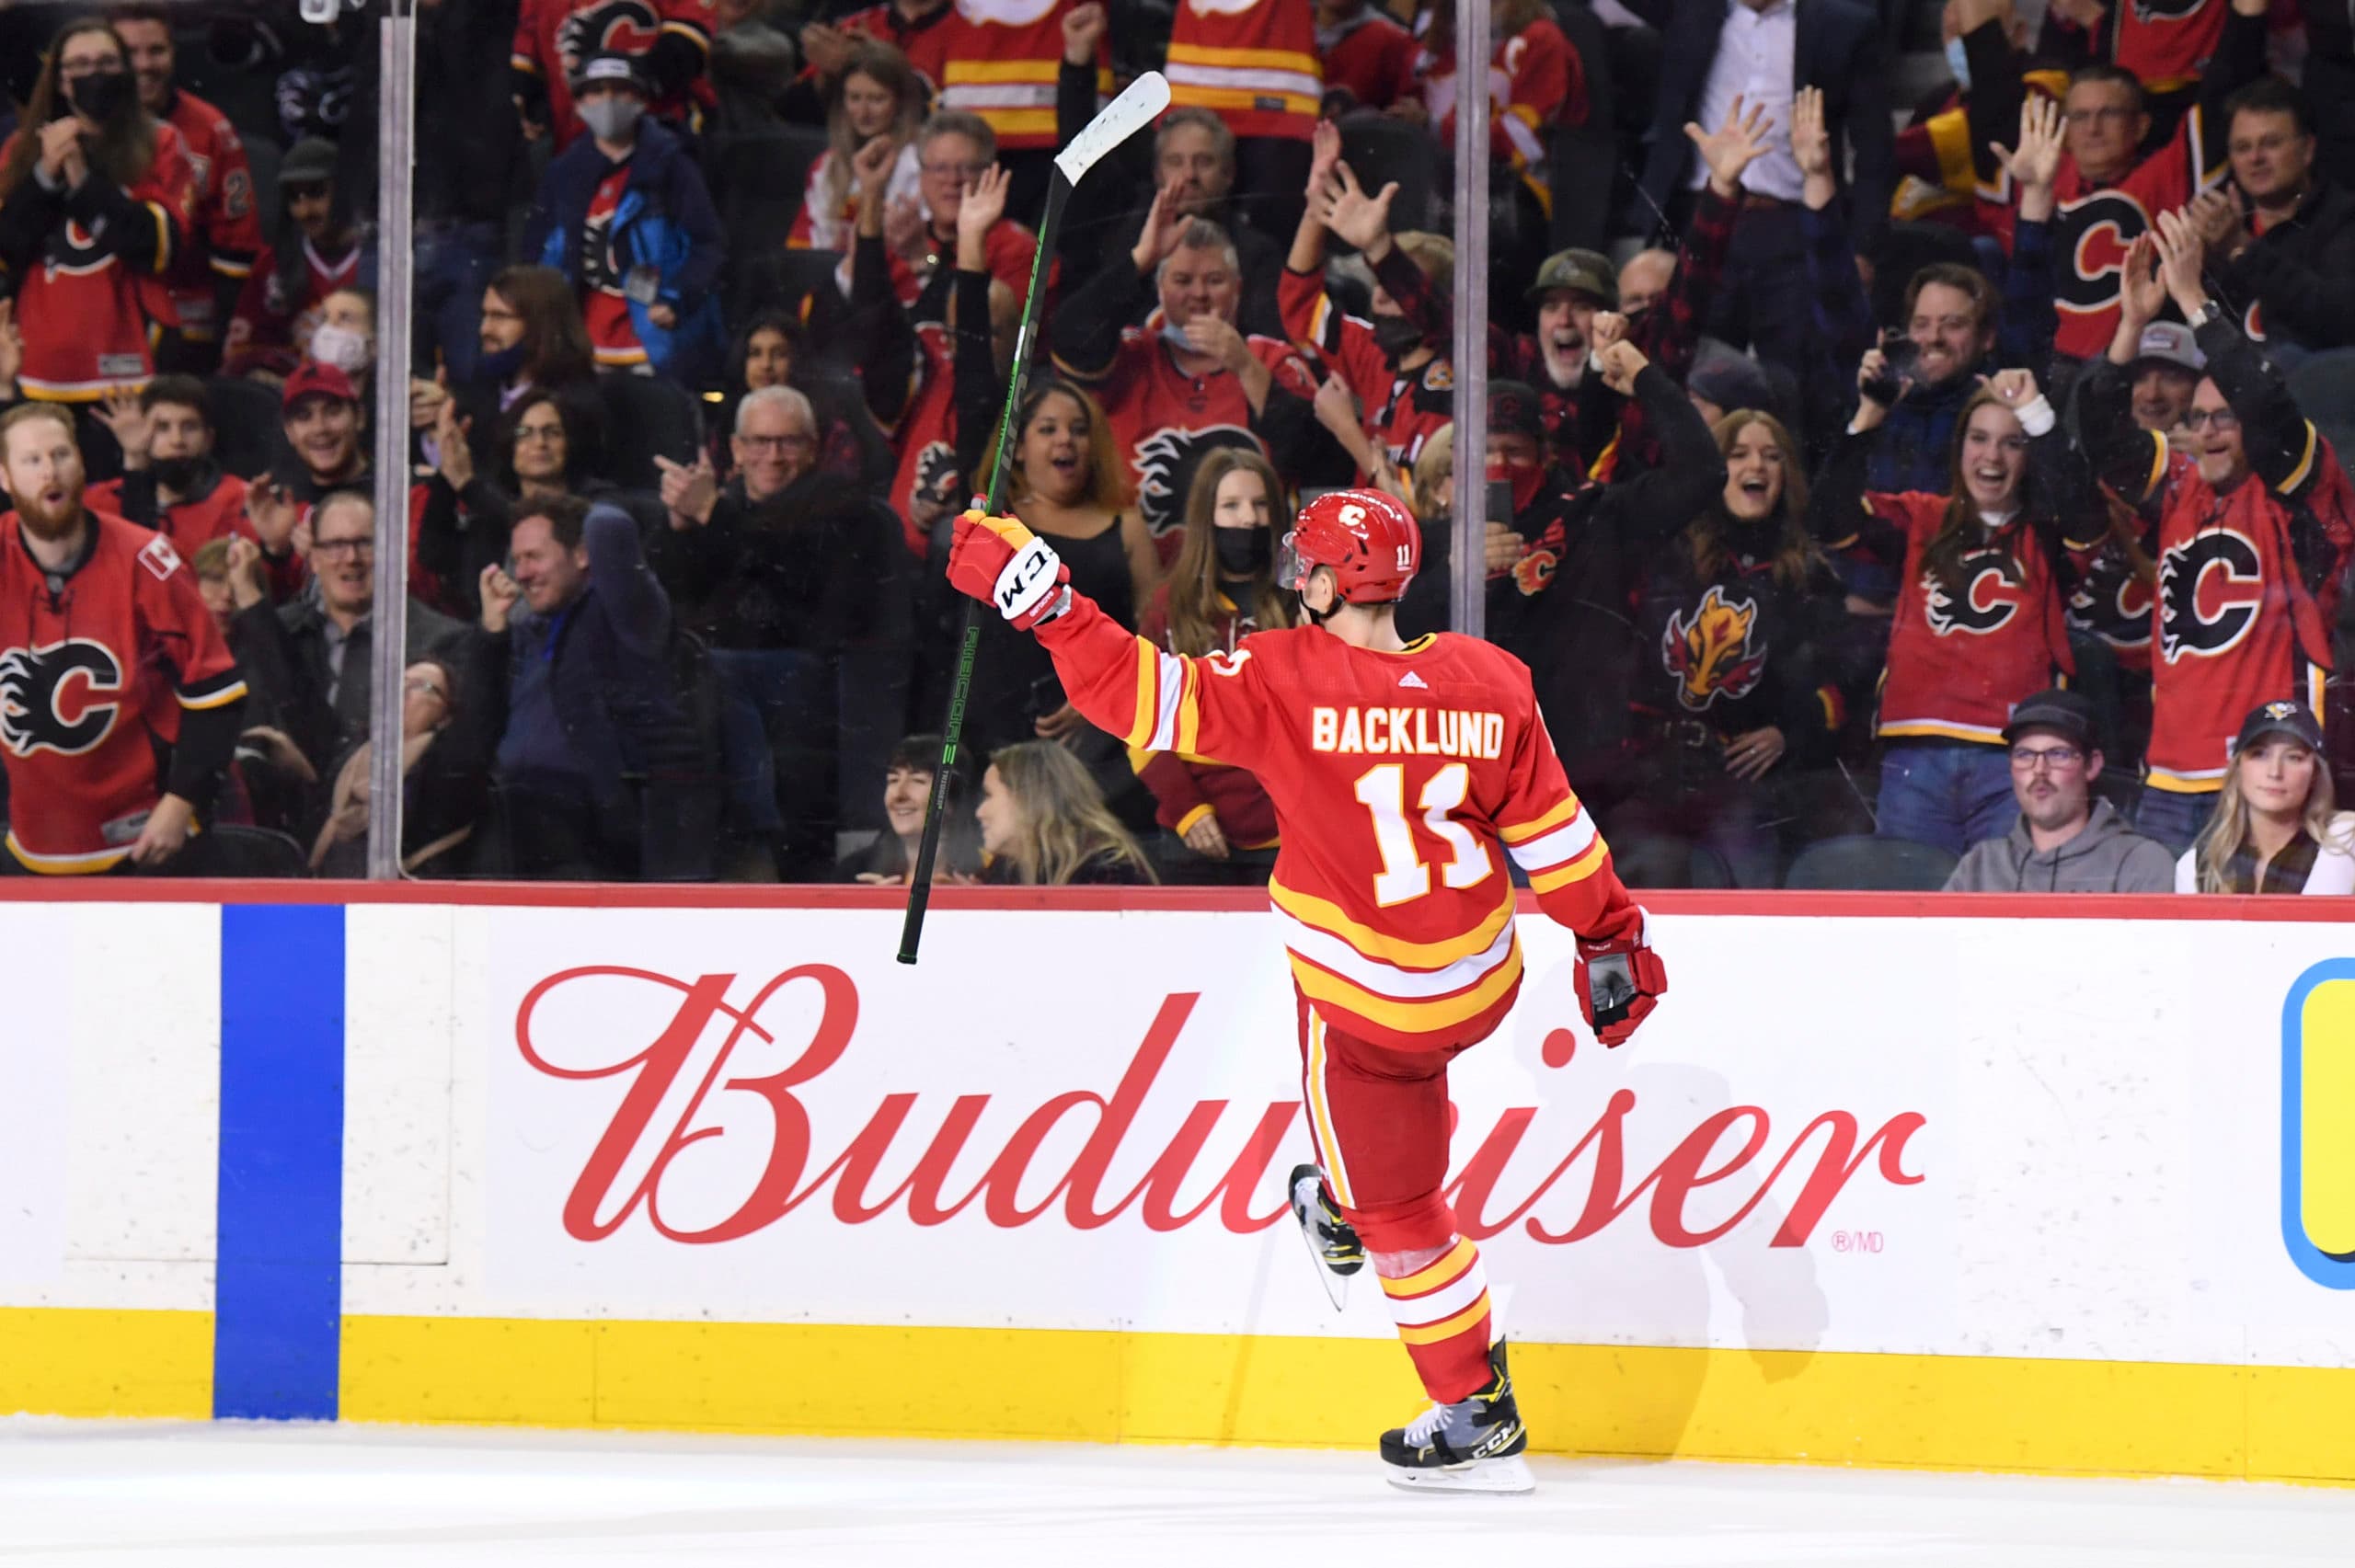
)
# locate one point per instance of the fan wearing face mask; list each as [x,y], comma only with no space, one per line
[96,196]
[170,482]
[1395,373]
[315,252]
[1221,589]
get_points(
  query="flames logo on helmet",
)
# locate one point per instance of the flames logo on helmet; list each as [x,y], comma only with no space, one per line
[1990,597]
[1714,654]
[619,27]
[2210,590]
[1166,462]
[39,692]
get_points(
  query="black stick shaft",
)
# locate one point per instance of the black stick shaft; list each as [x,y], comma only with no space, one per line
[969,642]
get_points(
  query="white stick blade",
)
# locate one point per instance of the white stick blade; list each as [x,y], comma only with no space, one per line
[1135,108]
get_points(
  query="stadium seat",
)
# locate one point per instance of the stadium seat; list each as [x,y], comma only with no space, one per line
[647,417]
[1652,860]
[238,851]
[1865,862]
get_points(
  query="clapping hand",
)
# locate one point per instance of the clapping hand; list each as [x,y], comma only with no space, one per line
[2180,254]
[689,490]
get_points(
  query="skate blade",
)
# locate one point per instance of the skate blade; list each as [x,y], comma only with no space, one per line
[1336,1286]
[1510,1474]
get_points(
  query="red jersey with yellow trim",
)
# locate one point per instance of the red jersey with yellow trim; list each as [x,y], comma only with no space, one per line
[1401,781]
[1252,63]
[604,307]
[1372,56]
[2095,227]
[1939,174]
[94,673]
[553,36]
[277,311]
[2167,42]
[925,438]
[1165,420]
[1536,83]
[87,319]
[1001,59]
[2233,625]
[190,525]
[1403,408]
[225,235]
[1959,661]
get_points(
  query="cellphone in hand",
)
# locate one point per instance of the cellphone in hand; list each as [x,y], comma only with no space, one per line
[1501,501]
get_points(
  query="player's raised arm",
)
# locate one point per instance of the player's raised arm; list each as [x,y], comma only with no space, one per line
[1125,686]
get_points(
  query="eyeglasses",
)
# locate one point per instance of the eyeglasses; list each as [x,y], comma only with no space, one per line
[2077,118]
[331,549]
[539,433]
[2224,419]
[499,312]
[422,689]
[2050,759]
[778,443]
[962,171]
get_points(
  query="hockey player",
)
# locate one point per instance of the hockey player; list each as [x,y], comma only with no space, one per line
[1401,773]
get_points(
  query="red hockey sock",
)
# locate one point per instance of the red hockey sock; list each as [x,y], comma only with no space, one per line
[1442,1311]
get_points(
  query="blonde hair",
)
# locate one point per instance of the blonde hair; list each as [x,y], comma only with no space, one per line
[1194,589]
[882,63]
[2220,843]
[1438,457]
[1065,823]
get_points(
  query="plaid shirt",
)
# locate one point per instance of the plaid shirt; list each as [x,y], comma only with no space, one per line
[1592,429]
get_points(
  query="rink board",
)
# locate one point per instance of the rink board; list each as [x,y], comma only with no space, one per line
[2017,1184]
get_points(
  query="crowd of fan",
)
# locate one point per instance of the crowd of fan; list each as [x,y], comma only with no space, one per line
[1872,484]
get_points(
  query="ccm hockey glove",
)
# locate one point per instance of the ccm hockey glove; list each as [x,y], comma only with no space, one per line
[1620,979]
[999,561]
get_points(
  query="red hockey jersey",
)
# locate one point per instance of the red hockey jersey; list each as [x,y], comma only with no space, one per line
[1001,61]
[1401,782]
[604,308]
[925,42]
[276,312]
[2093,229]
[1959,662]
[2164,43]
[1252,63]
[1165,420]
[553,36]
[225,235]
[2233,623]
[93,677]
[1403,410]
[926,439]
[191,525]
[88,315]
[1536,83]
[1372,56]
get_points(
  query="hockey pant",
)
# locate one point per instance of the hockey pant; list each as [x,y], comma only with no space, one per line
[1379,1120]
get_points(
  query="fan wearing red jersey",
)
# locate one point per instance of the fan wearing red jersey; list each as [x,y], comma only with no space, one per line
[1402,774]
[119,701]
[2256,527]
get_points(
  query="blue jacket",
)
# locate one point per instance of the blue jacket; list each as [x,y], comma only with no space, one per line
[666,221]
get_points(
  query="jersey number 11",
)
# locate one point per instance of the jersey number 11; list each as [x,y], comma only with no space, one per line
[1404,875]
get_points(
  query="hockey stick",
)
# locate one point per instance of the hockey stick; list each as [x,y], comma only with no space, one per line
[1136,108]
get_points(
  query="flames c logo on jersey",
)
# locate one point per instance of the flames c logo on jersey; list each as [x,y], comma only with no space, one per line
[1166,462]
[2093,237]
[2210,590]
[1990,597]
[50,697]
[1715,654]
[624,26]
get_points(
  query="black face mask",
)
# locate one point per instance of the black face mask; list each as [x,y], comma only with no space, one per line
[104,96]
[1396,336]
[1244,551]
[176,474]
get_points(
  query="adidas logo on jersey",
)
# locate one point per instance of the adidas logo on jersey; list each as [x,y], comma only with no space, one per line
[1411,679]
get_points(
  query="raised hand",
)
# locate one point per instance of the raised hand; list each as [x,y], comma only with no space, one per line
[689,490]
[499,595]
[1608,327]
[273,514]
[1163,227]
[1878,388]
[1084,27]
[2015,389]
[249,573]
[1324,152]
[450,444]
[1621,364]
[1732,146]
[977,213]
[2141,294]
[1362,219]
[133,431]
[826,47]
[2037,162]
[1811,139]
[871,166]
[2180,254]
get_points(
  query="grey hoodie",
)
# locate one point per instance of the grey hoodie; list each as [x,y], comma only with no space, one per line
[2106,856]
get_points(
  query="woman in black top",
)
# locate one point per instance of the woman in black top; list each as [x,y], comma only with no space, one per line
[1044,823]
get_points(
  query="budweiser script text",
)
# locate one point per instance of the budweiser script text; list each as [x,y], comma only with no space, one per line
[624,1172]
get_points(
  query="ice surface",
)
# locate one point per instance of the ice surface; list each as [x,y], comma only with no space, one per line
[116,1493]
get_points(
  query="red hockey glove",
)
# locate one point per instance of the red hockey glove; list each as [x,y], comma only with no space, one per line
[1000,562]
[1620,980]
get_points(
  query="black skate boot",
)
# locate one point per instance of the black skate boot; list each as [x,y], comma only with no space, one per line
[1332,1241]
[1474,1445]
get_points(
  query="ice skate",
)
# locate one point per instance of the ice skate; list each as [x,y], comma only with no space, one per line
[1332,1241]
[1474,1445]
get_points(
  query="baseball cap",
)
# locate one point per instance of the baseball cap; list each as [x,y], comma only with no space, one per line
[310,161]
[611,66]
[1732,381]
[2291,719]
[2170,342]
[2064,712]
[1513,410]
[1588,272]
[311,377]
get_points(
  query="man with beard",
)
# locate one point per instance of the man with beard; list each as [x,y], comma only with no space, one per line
[224,233]
[170,482]
[1399,376]
[2065,841]
[777,572]
[119,701]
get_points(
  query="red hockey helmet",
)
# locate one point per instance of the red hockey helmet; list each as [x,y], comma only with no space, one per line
[1370,539]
